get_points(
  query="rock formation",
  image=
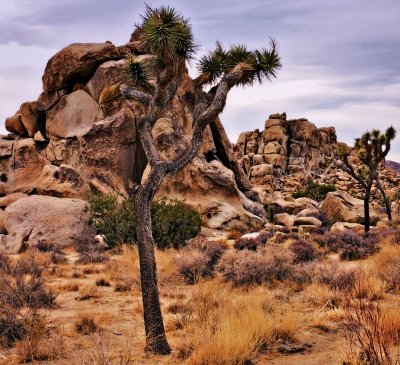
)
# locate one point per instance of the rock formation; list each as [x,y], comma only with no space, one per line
[66,143]
[290,153]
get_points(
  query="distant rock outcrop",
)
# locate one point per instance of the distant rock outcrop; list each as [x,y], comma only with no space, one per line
[295,148]
[395,166]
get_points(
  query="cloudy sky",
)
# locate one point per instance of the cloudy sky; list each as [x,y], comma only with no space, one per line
[340,58]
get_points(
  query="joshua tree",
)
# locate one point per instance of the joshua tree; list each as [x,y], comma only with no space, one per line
[167,36]
[371,148]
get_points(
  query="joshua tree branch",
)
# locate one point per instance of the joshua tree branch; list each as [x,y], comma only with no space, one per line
[135,95]
[350,170]
[203,116]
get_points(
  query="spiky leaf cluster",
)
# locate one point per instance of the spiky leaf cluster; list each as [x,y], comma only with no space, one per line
[138,74]
[166,34]
[109,94]
[372,147]
[243,66]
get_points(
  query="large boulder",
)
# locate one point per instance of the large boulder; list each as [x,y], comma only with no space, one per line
[74,114]
[210,187]
[307,221]
[344,226]
[76,63]
[108,73]
[63,182]
[31,117]
[13,243]
[14,124]
[108,156]
[61,221]
[7,200]
[284,219]
[22,165]
[340,206]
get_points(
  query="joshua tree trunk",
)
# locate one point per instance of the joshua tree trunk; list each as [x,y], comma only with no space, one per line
[366,211]
[384,197]
[156,341]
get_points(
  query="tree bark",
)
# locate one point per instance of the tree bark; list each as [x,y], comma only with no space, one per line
[156,341]
[366,211]
[384,197]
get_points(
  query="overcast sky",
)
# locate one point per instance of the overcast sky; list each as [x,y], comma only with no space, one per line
[341,58]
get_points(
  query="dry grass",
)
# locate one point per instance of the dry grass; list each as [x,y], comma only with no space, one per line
[85,324]
[70,286]
[38,344]
[371,329]
[387,266]
[88,292]
[125,270]
[230,326]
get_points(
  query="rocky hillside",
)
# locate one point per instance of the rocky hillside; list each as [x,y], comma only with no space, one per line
[288,154]
[395,166]
[69,142]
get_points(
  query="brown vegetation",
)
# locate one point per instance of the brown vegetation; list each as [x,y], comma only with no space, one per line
[279,298]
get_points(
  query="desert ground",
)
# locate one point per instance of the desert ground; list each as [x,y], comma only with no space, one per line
[293,299]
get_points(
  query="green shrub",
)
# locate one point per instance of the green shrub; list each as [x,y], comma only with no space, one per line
[173,222]
[114,220]
[314,191]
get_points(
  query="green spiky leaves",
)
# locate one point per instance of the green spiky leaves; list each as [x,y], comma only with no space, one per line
[243,66]
[138,73]
[373,146]
[390,133]
[166,34]
[211,66]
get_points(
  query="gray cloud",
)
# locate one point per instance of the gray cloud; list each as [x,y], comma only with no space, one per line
[340,57]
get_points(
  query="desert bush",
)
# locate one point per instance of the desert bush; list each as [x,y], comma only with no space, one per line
[249,243]
[230,326]
[387,266]
[37,343]
[282,238]
[12,325]
[365,333]
[198,259]
[5,264]
[173,222]
[244,243]
[29,265]
[349,244]
[344,280]
[85,325]
[249,268]
[303,251]
[113,220]
[93,257]
[102,282]
[314,191]
[192,265]
[22,293]
[57,256]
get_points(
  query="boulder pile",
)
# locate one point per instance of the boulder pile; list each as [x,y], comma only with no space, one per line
[67,143]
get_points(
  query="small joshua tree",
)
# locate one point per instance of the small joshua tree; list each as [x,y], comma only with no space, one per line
[167,36]
[371,148]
